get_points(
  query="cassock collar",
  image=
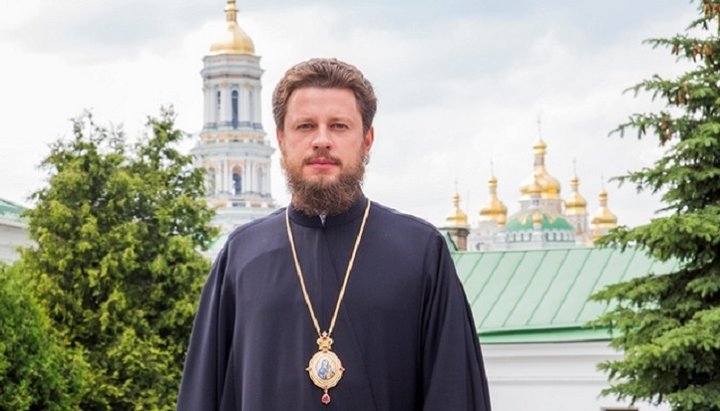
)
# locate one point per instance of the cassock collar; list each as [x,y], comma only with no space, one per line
[354,212]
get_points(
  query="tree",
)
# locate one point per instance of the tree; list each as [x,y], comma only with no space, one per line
[669,325]
[38,371]
[117,263]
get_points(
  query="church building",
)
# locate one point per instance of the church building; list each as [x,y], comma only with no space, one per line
[544,220]
[528,278]
[233,149]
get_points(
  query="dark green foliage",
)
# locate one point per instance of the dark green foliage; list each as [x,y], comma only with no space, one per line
[38,371]
[117,263]
[669,326]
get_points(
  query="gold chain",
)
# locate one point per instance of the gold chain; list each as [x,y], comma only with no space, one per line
[347,272]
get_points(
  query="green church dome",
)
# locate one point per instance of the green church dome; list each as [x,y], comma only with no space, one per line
[525,220]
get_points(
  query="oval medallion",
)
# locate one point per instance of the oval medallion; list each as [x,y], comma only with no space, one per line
[325,369]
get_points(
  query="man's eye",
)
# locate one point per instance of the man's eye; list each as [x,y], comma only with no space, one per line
[304,126]
[340,126]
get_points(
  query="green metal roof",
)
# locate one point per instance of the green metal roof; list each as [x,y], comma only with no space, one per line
[11,210]
[523,221]
[542,295]
[219,242]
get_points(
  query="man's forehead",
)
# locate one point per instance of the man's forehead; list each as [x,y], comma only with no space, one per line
[333,98]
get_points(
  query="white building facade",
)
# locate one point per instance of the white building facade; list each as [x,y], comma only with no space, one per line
[13,231]
[552,377]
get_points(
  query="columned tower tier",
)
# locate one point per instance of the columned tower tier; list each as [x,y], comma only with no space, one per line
[236,169]
[231,90]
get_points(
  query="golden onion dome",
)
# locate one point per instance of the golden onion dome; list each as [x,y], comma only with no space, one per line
[576,204]
[533,189]
[457,217]
[603,217]
[549,185]
[234,39]
[494,210]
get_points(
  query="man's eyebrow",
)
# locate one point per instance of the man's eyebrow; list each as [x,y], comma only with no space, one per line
[342,117]
[295,119]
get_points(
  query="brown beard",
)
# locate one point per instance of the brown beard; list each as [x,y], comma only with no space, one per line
[323,197]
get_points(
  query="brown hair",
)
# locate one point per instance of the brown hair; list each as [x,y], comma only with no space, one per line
[325,73]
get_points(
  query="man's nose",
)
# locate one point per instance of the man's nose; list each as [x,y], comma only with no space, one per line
[322,138]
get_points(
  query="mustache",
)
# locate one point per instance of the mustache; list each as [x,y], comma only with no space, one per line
[322,154]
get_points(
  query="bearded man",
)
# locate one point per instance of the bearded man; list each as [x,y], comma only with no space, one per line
[335,302]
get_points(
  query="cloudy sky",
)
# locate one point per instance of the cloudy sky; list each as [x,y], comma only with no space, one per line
[461,84]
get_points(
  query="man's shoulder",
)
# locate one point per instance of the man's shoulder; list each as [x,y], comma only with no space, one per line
[259,228]
[403,222]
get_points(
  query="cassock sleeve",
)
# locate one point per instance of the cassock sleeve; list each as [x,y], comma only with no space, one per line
[207,357]
[453,371]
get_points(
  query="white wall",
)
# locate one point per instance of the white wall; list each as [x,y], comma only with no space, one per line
[550,377]
[12,235]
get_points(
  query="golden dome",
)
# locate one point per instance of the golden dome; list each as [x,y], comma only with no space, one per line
[234,40]
[549,185]
[603,217]
[457,217]
[532,189]
[495,210]
[576,204]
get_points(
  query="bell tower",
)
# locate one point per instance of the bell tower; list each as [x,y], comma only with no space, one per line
[233,147]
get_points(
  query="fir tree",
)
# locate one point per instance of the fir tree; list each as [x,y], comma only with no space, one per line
[38,371]
[117,263]
[669,325]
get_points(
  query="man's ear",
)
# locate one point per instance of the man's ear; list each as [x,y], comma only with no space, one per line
[280,136]
[369,139]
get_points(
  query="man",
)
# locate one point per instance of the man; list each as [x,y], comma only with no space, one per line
[336,302]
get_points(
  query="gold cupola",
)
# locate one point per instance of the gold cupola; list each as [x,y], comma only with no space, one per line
[532,190]
[494,210]
[603,220]
[549,185]
[576,204]
[234,40]
[457,217]
[456,225]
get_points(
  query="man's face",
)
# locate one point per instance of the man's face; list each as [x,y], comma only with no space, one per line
[323,144]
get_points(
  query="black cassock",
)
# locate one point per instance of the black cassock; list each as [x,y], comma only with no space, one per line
[404,333]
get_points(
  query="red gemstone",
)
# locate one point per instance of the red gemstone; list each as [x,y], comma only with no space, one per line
[325,399]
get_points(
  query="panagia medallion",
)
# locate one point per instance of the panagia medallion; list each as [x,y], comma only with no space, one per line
[325,368]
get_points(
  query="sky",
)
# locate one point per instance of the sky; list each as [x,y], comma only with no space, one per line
[461,85]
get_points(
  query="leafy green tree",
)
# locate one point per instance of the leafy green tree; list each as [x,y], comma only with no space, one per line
[38,371]
[669,325]
[118,231]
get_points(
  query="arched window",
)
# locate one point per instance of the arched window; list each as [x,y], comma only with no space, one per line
[234,109]
[237,180]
